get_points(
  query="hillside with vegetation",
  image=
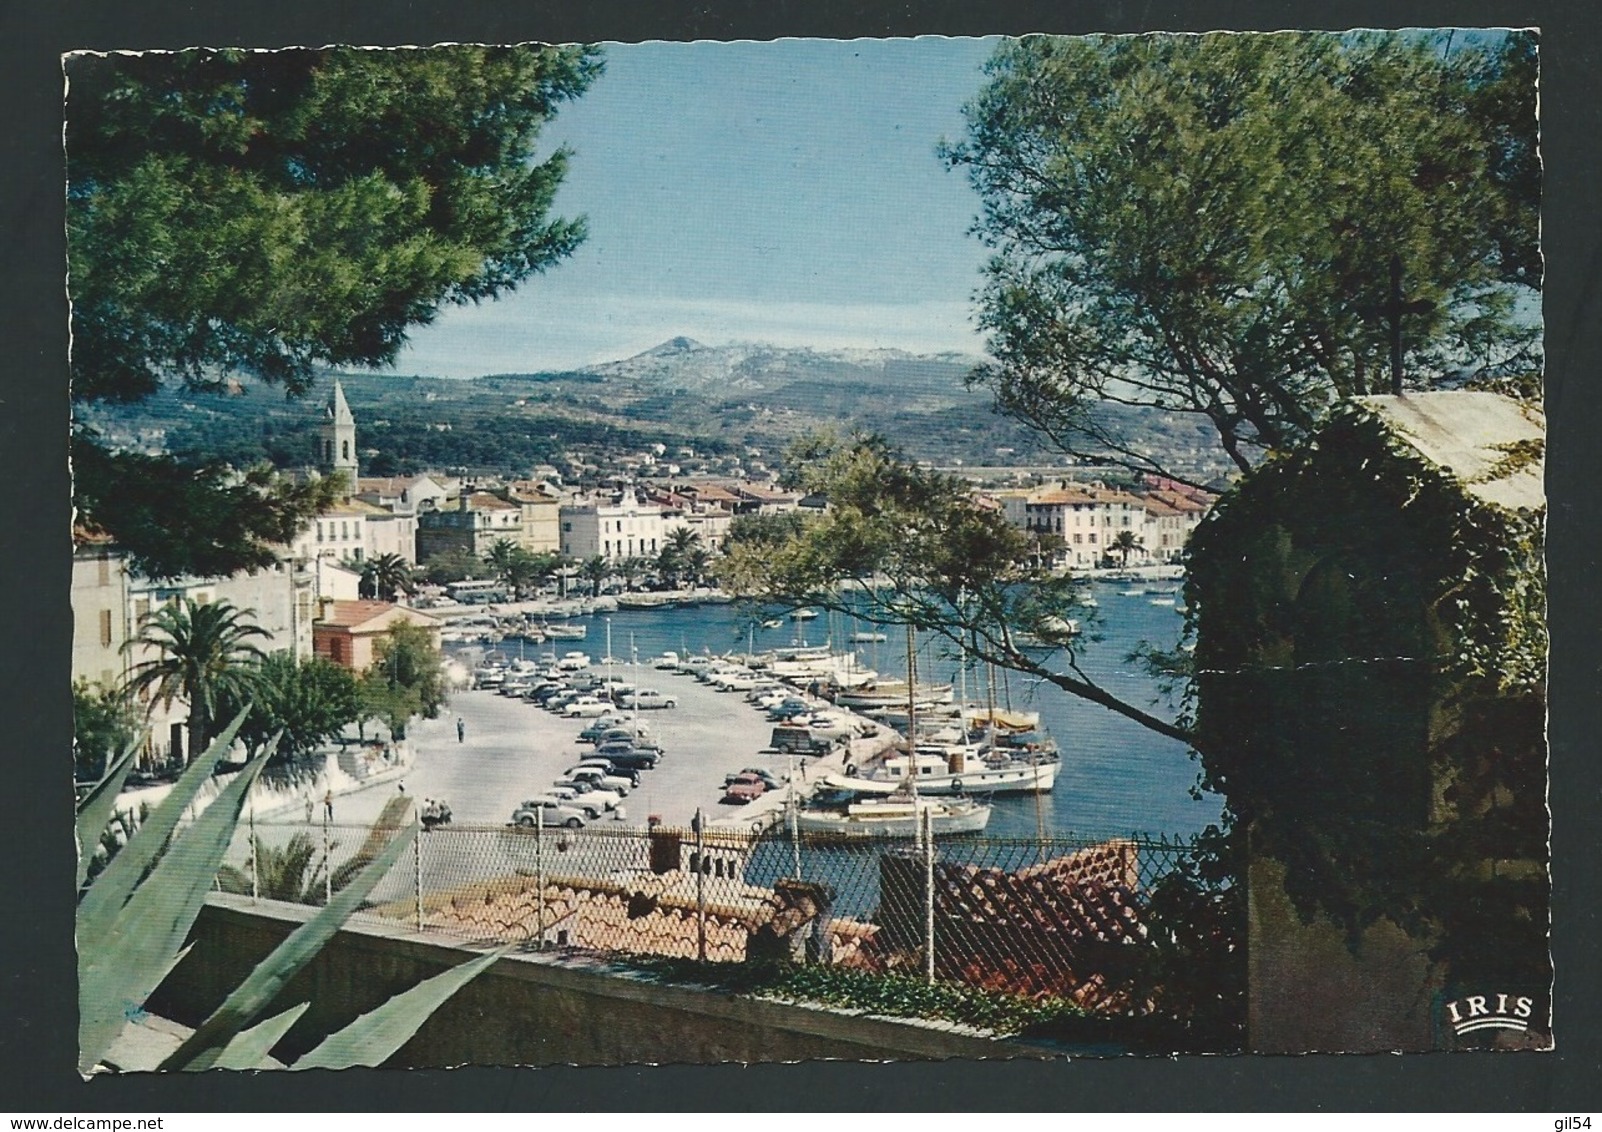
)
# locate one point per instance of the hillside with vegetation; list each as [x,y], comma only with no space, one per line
[717,401]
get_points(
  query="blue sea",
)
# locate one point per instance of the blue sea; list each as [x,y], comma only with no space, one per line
[1117,777]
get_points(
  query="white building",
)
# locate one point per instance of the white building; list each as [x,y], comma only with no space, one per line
[614,529]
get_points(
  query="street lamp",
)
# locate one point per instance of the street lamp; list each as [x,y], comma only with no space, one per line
[608,651]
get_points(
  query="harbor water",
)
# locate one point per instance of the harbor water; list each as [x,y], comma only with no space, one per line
[1117,777]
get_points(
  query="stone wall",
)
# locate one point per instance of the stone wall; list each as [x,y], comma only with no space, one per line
[527,1009]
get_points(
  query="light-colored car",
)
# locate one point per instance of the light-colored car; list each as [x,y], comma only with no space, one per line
[649,698]
[586,707]
[549,812]
[742,680]
[695,665]
[589,792]
[600,778]
[580,799]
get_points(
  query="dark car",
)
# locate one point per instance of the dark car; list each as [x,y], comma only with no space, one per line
[624,737]
[549,692]
[632,758]
[598,729]
[790,709]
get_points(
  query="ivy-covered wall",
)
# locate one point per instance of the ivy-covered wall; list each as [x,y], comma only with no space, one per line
[1370,662]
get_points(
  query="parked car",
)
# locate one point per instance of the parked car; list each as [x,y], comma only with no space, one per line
[549,812]
[586,707]
[767,688]
[634,737]
[586,802]
[649,698]
[790,709]
[743,789]
[558,703]
[599,727]
[695,665]
[741,681]
[633,758]
[602,779]
[768,780]
[590,792]
[631,775]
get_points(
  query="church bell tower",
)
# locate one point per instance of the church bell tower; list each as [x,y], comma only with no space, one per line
[336,439]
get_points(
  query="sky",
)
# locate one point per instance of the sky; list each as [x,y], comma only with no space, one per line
[787,193]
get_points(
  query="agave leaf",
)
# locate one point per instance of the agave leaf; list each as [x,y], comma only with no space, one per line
[264,983]
[119,969]
[373,1037]
[94,811]
[250,1047]
[112,888]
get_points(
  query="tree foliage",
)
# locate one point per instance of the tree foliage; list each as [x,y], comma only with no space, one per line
[207,658]
[308,701]
[1206,225]
[407,678]
[264,213]
[103,724]
[385,577]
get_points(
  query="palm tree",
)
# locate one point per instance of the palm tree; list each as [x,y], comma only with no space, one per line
[631,569]
[672,562]
[595,571]
[206,660]
[502,558]
[1124,543]
[385,576]
[696,564]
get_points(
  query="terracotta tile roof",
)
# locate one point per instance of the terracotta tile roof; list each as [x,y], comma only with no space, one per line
[1180,501]
[348,614]
[484,501]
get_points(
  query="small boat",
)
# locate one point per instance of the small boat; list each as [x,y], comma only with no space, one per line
[868,638]
[896,815]
[892,694]
[565,632]
[1162,601]
[772,623]
[804,615]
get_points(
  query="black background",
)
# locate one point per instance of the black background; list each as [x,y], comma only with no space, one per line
[37,1013]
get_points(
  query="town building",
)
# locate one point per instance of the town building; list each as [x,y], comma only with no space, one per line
[541,531]
[614,528]
[110,606]
[473,522]
[348,632]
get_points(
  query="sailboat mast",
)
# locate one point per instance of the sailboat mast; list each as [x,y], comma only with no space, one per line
[912,716]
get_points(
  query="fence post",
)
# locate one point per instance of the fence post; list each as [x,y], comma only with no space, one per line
[792,813]
[417,869]
[328,865]
[700,887]
[255,861]
[539,876]
[927,820]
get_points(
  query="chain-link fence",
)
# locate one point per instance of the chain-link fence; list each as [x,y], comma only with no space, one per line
[1058,917]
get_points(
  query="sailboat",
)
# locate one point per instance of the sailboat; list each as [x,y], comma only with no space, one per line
[893,809]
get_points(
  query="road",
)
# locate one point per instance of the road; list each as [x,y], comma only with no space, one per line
[514,750]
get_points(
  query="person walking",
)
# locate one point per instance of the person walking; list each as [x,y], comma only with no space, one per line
[328,805]
[461,730]
[310,808]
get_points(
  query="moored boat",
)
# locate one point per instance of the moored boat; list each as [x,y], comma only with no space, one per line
[896,816]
